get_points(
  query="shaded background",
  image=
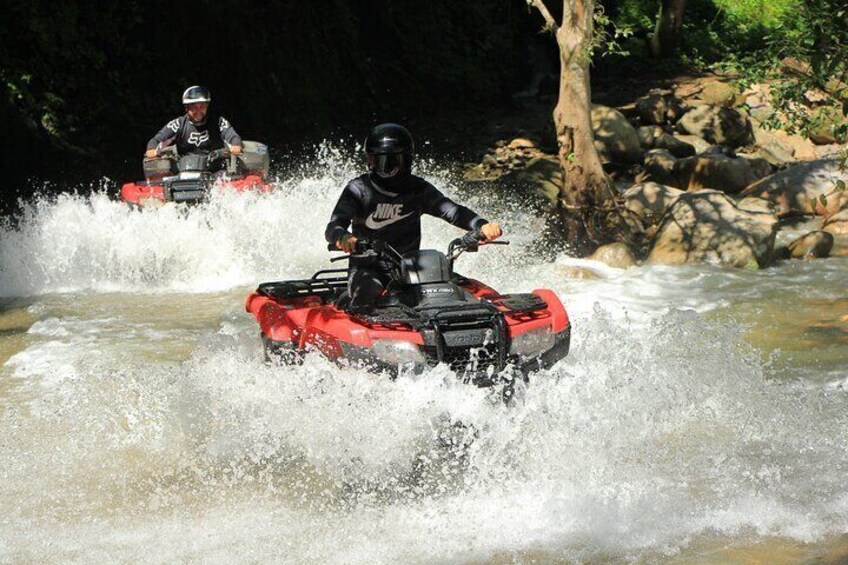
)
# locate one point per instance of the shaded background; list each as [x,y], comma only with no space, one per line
[86,84]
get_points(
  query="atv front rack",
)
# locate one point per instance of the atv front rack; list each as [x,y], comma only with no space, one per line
[521,302]
[447,316]
[394,316]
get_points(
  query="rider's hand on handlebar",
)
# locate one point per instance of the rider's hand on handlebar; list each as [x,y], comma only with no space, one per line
[235,149]
[346,243]
[217,154]
[491,231]
[152,153]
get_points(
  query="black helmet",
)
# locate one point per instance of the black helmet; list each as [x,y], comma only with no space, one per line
[194,94]
[389,149]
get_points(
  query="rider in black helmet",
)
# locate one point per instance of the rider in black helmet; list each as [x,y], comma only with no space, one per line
[196,131]
[387,203]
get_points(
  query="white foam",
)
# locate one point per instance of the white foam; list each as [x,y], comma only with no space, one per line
[662,425]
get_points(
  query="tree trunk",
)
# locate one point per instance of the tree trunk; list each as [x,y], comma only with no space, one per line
[667,32]
[585,183]
[586,189]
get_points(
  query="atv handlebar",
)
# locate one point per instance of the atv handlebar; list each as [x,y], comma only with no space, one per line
[474,239]
[170,152]
[471,242]
[363,247]
[217,154]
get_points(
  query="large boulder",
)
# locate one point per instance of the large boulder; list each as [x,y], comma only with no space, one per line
[722,126]
[793,190]
[648,201]
[651,108]
[658,108]
[721,94]
[700,144]
[802,149]
[760,168]
[615,138]
[813,245]
[521,143]
[659,166]
[823,122]
[837,224]
[541,176]
[774,154]
[616,255]
[674,145]
[758,99]
[772,146]
[713,170]
[647,136]
[707,227]
[754,204]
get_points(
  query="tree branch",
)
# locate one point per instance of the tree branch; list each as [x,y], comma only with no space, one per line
[550,23]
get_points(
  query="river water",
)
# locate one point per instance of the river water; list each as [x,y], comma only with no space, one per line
[701,417]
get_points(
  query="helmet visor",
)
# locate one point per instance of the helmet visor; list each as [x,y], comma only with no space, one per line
[387,165]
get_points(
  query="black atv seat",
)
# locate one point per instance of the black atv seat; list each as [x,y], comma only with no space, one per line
[425,266]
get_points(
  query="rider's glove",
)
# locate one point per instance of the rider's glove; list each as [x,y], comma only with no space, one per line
[346,243]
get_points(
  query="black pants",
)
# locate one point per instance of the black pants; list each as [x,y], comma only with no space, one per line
[366,283]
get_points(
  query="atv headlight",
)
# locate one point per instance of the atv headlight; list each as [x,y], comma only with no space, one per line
[532,343]
[397,352]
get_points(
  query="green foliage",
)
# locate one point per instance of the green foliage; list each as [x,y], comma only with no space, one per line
[816,38]
[765,14]
[52,53]
[714,32]
[725,32]
[750,38]
[610,37]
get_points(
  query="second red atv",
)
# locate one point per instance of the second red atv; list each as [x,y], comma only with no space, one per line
[189,178]
[428,315]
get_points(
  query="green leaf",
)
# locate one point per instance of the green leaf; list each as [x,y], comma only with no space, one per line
[840,185]
[823,200]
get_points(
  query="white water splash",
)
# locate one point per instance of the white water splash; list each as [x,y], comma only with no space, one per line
[622,450]
[148,429]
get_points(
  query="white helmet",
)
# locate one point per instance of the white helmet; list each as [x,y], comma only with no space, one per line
[194,94]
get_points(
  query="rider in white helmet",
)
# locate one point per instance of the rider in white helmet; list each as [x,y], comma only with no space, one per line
[197,131]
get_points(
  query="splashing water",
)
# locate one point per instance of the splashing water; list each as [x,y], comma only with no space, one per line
[141,424]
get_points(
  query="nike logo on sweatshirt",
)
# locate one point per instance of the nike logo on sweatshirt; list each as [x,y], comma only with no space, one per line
[384,215]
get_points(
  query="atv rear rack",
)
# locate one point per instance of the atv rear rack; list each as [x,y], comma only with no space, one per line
[322,287]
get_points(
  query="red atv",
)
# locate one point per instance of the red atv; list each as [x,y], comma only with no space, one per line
[189,178]
[428,315]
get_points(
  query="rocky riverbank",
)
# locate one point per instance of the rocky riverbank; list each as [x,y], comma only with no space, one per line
[702,175]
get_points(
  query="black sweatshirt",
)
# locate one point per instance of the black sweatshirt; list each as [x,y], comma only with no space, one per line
[394,217]
[194,138]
